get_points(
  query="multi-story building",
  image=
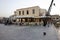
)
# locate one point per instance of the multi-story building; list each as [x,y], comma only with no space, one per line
[30,14]
[30,11]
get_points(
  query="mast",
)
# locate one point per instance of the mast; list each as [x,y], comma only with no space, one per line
[49,10]
[48,14]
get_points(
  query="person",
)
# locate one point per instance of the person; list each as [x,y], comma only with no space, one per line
[44,22]
[44,33]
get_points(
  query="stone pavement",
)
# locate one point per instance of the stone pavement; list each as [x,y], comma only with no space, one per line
[58,31]
[14,32]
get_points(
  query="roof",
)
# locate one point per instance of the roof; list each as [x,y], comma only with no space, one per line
[28,7]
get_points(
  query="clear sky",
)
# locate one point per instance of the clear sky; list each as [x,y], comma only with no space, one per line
[7,7]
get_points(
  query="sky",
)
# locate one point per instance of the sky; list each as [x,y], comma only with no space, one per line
[7,7]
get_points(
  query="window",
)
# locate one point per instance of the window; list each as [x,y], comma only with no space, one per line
[23,12]
[19,12]
[53,18]
[33,11]
[40,14]
[14,20]
[27,12]
[57,18]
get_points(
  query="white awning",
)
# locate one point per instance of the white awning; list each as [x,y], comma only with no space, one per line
[24,16]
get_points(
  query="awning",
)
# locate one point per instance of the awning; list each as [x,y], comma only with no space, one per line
[24,16]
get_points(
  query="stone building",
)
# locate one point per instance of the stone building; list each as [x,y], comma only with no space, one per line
[55,17]
[56,20]
[29,15]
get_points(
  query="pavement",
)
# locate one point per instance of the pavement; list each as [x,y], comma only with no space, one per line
[58,31]
[16,32]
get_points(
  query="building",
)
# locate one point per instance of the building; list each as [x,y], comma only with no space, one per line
[1,19]
[55,17]
[56,20]
[29,15]
[35,11]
